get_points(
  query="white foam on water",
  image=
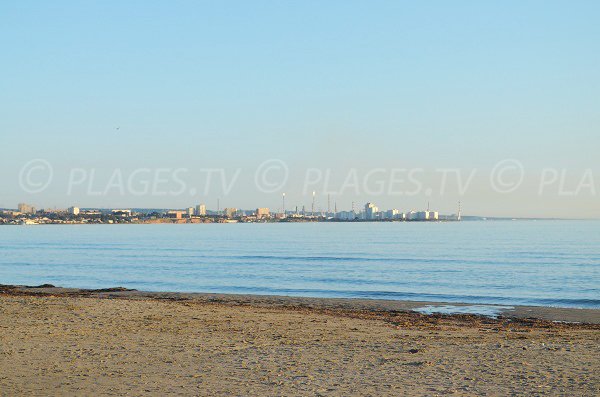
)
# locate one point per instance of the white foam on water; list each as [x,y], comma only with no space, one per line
[482,310]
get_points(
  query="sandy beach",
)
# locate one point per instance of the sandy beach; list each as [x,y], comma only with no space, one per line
[72,342]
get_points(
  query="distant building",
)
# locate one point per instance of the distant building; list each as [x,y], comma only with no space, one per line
[346,215]
[230,212]
[190,212]
[262,213]
[26,208]
[422,216]
[201,210]
[175,214]
[371,211]
[402,216]
[426,216]
[122,213]
[52,210]
[392,214]
[73,210]
[410,216]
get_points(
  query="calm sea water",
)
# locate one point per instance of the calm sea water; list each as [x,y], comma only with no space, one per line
[549,263]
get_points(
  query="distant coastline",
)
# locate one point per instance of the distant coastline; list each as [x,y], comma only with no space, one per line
[165,216]
[216,220]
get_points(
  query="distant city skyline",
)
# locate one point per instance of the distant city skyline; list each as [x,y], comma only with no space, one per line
[202,209]
[336,86]
[26,214]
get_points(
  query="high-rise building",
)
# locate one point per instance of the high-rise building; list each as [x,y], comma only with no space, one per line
[422,216]
[26,208]
[73,210]
[346,215]
[371,211]
[392,214]
[230,212]
[262,212]
[411,216]
[201,210]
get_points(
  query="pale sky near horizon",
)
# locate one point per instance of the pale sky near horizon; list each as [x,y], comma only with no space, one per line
[339,85]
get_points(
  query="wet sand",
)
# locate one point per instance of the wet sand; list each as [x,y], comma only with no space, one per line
[68,342]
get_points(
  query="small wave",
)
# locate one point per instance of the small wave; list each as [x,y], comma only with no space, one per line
[413,296]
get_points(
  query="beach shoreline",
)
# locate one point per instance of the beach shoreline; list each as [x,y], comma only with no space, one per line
[347,305]
[60,341]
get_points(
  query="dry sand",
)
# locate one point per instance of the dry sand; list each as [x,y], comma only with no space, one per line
[77,344]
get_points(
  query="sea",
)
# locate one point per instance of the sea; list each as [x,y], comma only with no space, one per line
[541,263]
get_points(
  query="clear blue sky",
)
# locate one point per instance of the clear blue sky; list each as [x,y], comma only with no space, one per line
[335,84]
